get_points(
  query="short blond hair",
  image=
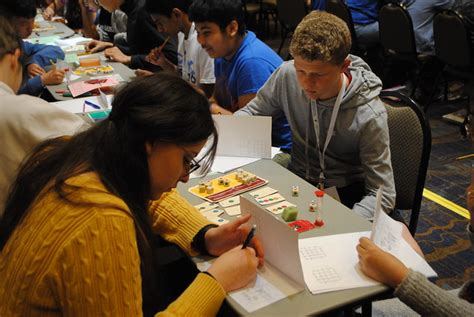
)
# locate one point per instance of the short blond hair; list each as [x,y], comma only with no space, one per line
[321,36]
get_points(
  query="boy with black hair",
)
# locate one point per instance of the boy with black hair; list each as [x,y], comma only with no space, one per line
[242,63]
[36,57]
[338,122]
[194,64]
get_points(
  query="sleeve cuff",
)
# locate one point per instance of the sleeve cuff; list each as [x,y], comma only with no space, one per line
[135,62]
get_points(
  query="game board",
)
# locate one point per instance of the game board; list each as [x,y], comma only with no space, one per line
[235,186]
[94,70]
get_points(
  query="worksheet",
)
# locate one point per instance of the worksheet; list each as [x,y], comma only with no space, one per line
[269,287]
[331,263]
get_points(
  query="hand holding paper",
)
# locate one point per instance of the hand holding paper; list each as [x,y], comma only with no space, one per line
[380,265]
[330,262]
[388,255]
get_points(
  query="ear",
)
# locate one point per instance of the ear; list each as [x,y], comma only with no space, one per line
[345,65]
[232,28]
[15,59]
[176,13]
[149,147]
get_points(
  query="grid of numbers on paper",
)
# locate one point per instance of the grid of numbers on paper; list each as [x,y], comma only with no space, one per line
[312,253]
[326,275]
[256,295]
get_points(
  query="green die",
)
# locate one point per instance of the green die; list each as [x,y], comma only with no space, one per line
[290,214]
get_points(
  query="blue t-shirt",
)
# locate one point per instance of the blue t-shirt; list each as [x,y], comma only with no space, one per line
[364,11]
[319,5]
[244,74]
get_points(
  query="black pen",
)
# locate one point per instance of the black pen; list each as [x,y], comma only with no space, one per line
[249,237]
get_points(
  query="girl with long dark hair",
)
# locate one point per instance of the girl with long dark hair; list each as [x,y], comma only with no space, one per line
[79,235]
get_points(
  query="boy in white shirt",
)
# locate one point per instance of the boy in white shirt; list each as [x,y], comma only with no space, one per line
[194,64]
[24,120]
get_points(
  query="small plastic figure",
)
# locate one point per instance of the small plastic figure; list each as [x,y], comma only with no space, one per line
[312,206]
[295,191]
[226,182]
[209,189]
[220,181]
[238,175]
[202,187]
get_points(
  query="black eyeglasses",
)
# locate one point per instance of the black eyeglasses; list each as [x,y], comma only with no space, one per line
[191,165]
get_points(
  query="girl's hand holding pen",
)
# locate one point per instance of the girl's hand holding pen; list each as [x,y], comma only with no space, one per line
[235,268]
[233,234]
[249,237]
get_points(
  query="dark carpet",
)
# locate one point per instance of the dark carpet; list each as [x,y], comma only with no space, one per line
[441,233]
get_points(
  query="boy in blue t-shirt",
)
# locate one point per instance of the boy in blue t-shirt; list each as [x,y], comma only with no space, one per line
[242,63]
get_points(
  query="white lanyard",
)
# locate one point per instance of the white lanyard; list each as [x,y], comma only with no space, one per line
[332,123]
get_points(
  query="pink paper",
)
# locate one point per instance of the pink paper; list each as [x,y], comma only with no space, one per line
[81,87]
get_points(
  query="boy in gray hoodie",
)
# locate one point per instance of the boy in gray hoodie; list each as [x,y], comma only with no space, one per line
[325,91]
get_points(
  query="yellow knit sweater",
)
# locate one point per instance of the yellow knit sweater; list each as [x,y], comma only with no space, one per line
[76,260]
